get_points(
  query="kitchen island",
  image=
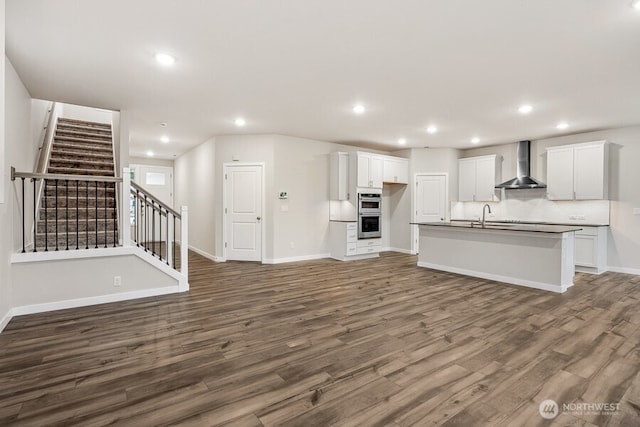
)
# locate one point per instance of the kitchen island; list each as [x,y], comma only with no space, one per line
[539,256]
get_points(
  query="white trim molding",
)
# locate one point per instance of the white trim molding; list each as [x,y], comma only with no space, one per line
[83,302]
[6,319]
[624,270]
[294,259]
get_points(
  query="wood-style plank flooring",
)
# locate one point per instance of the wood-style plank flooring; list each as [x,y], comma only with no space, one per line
[367,343]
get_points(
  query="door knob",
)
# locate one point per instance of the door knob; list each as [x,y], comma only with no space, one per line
[258,218]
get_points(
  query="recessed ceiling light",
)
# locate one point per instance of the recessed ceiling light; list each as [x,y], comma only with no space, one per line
[164,138]
[525,109]
[149,153]
[240,122]
[562,125]
[475,140]
[359,109]
[432,129]
[402,141]
[165,59]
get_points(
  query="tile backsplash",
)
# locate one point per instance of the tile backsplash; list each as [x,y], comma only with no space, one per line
[532,205]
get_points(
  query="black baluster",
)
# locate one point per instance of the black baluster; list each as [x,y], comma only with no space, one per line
[86,216]
[167,239]
[136,218]
[115,218]
[66,190]
[46,217]
[146,223]
[56,211]
[153,227]
[23,229]
[35,221]
[174,241]
[77,216]
[96,211]
[105,215]
[160,236]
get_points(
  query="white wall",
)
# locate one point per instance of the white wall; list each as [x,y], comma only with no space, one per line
[19,152]
[194,183]
[92,278]
[88,114]
[5,211]
[150,161]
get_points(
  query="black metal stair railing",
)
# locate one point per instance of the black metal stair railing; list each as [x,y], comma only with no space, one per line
[58,222]
[154,225]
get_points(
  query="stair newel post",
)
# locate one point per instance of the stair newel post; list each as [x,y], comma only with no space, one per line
[35,221]
[23,220]
[184,241]
[46,217]
[56,212]
[66,192]
[125,203]
[115,217]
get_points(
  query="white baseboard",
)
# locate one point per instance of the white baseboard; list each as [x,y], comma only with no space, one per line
[102,299]
[207,254]
[624,270]
[295,259]
[6,319]
[392,249]
[497,277]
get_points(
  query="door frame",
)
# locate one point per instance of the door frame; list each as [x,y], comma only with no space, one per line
[225,168]
[415,232]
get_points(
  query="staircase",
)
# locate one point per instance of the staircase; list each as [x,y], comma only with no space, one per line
[79,214]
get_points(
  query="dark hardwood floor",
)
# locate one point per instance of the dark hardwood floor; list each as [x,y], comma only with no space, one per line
[366,343]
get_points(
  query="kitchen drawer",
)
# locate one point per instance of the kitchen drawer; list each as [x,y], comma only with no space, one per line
[352,249]
[363,243]
[352,236]
[352,226]
[368,249]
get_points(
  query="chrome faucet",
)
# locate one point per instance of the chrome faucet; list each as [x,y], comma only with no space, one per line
[484,210]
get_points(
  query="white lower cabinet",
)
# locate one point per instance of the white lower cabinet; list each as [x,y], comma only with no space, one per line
[591,250]
[345,245]
[369,246]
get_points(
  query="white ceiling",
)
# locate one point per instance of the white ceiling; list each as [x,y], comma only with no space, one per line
[297,67]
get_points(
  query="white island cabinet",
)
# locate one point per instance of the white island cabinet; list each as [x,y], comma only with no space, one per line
[578,171]
[536,256]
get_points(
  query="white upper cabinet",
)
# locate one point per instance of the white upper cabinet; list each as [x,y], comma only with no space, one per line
[339,176]
[578,171]
[395,170]
[477,178]
[368,169]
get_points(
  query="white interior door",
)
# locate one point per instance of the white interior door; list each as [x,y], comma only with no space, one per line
[431,200]
[158,181]
[243,212]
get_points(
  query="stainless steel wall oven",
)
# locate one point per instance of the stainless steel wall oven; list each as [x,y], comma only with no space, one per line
[369,215]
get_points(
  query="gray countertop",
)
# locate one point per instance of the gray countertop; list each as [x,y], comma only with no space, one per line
[508,226]
[573,224]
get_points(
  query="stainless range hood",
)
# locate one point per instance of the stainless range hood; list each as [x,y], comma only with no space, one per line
[523,171]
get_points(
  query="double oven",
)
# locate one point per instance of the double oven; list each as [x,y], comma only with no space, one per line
[369,215]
